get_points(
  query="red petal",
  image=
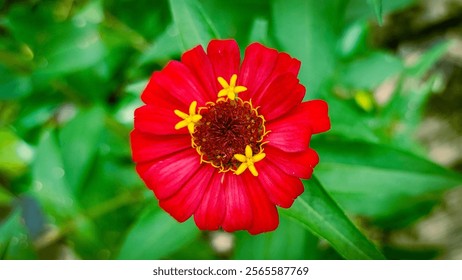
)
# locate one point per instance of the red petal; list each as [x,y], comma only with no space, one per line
[225,58]
[261,66]
[185,202]
[199,64]
[147,147]
[280,97]
[265,214]
[155,94]
[290,133]
[165,177]
[299,164]
[181,84]
[159,120]
[317,113]
[286,64]
[211,211]
[238,210]
[281,188]
[258,64]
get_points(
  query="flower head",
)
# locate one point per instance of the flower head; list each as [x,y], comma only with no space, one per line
[227,142]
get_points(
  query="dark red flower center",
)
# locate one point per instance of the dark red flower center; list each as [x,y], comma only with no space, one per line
[225,129]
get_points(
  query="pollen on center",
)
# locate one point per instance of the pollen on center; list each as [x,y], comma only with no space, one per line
[230,90]
[228,128]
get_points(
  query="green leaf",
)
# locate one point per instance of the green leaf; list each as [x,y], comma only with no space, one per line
[79,141]
[73,47]
[63,44]
[49,184]
[15,154]
[402,115]
[379,181]
[318,212]
[194,26]
[13,86]
[235,19]
[370,71]
[139,20]
[167,46]
[156,235]
[377,6]
[428,59]
[14,239]
[259,31]
[306,30]
[287,242]
[358,9]
[345,119]
[136,88]
[86,240]
[354,39]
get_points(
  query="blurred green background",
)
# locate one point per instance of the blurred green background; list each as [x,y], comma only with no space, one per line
[71,73]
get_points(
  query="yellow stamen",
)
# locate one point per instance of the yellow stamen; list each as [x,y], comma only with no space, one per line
[230,90]
[248,161]
[188,120]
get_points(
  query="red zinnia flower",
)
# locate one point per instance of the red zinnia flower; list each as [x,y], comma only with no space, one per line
[227,142]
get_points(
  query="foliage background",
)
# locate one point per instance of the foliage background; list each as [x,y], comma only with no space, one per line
[71,73]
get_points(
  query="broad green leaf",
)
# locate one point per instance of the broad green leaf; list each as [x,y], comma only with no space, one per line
[378,10]
[73,47]
[194,26]
[49,184]
[378,181]
[79,140]
[14,240]
[287,242]
[370,71]
[307,31]
[156,235]
[318,212]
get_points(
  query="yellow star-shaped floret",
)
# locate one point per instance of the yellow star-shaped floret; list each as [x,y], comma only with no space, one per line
[248,161]
[188,120]
[230,90]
